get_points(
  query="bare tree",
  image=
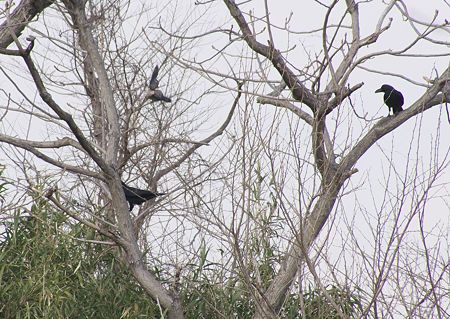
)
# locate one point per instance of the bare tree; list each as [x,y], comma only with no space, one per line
[317,92]
[108,124]
[283,163]
[324,86]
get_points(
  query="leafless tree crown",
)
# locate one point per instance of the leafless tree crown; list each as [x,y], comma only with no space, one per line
[262,126]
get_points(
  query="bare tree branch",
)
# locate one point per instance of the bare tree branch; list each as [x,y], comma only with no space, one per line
[191,150]
[63,115]
[429,99]
[87,42]
[25,11]
[299,91]
[31,147]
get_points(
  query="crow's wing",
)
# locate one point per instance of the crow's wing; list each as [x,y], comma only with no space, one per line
[159,96]
[153,80]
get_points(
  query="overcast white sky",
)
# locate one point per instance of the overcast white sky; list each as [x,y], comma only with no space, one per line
[305,15]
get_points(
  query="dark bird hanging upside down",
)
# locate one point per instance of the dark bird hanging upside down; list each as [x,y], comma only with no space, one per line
[153,93]
[136,196]
[392,98]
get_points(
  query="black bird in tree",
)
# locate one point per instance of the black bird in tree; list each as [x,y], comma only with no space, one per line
[136,196]
[153,93]
[392,98]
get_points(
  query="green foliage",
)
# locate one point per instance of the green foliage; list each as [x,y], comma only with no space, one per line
[45,273]
[263,245]
[207,294]
[313,304]
[318,306]
[2,184]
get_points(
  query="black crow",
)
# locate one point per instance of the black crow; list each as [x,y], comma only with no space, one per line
[154,83]
[136,196]
[153,93]
[392,98]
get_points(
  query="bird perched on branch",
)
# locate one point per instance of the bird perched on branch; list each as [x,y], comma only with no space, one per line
[392,98]
[136,196]
[153,93]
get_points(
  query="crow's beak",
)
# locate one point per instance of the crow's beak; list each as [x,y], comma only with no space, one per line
[378,91]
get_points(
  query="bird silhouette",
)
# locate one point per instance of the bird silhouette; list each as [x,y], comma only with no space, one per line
[153,93]
[136,196]
[392,98]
